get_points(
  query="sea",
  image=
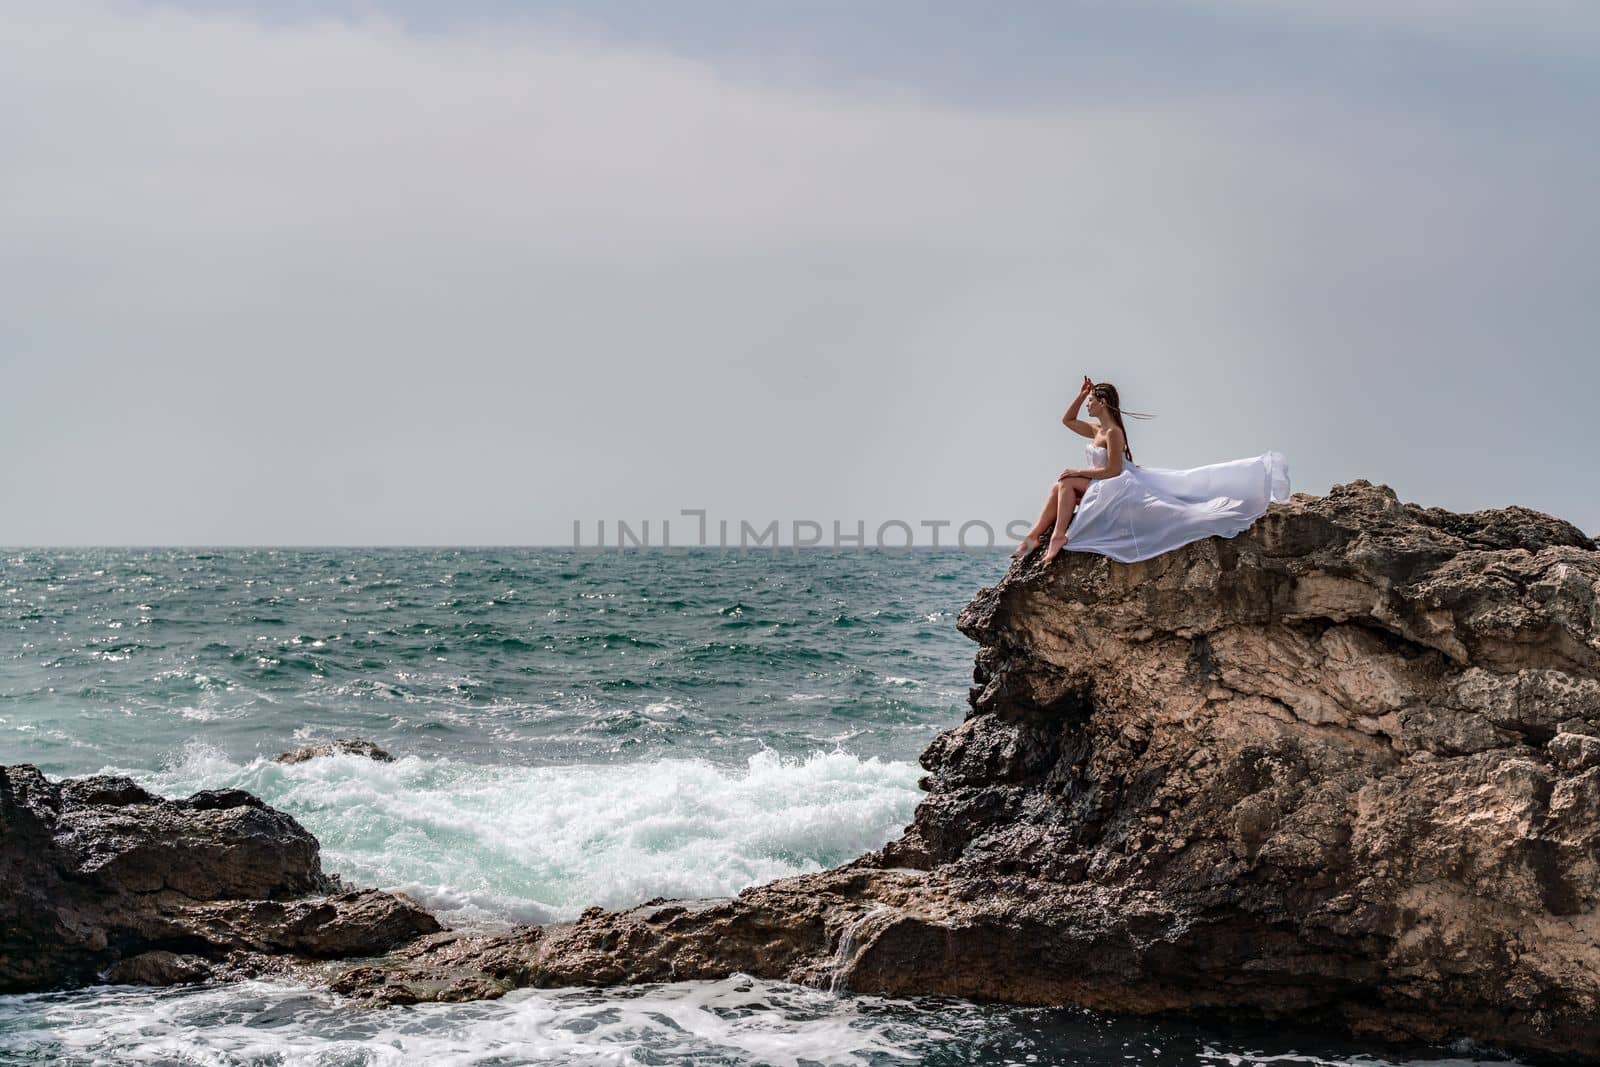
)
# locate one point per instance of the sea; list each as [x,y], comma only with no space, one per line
[570,728]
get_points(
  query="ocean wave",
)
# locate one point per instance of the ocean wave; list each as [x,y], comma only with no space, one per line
[486,845]
[736,1021]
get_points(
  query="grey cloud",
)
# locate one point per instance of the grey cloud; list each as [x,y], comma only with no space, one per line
[340,281]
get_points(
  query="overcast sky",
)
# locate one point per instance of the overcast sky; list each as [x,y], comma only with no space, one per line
[372,273]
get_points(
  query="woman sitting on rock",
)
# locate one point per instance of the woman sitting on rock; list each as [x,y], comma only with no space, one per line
[1119,509]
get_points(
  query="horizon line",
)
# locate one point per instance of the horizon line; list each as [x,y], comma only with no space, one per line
[592,550]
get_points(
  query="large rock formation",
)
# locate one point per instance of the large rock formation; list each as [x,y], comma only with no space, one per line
[1344,767]
[99,877]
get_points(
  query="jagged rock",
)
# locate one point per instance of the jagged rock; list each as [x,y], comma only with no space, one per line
[96,873]
[159,968]
[343,746]
[1342,768]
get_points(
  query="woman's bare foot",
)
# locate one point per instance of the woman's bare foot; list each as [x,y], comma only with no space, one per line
[1029,543]
[1054,548]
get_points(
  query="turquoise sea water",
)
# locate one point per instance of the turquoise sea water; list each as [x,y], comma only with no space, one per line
[570,729]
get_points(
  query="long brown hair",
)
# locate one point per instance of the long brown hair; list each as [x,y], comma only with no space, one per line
[1107,394]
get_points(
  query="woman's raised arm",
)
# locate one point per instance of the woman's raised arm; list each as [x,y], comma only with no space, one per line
[1071,421]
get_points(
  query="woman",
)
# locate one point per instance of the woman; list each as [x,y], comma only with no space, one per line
[1128,512]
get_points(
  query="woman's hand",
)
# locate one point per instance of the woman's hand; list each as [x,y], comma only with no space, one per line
[1069,473]
[1071,421]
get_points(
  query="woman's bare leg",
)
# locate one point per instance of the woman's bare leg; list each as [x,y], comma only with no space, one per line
[1066,503]
[1046,517]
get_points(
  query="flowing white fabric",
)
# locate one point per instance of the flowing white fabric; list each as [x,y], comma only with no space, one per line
[1145,511]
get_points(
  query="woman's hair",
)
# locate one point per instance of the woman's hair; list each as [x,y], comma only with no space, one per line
[1107,393]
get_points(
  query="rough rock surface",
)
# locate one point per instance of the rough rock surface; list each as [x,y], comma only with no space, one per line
[1344,767]
[96,873]
[343,746]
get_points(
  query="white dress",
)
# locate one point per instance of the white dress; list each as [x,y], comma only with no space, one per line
[1145,511]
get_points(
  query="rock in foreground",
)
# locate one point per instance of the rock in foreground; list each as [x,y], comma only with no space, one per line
[96,873]
[1343,768]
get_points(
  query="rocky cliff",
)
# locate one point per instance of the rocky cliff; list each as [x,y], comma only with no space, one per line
[1344,767]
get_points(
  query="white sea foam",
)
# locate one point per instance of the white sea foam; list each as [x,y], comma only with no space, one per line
[495,844]
[738,1020]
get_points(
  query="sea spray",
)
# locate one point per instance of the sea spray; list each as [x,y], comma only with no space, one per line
[485,845]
